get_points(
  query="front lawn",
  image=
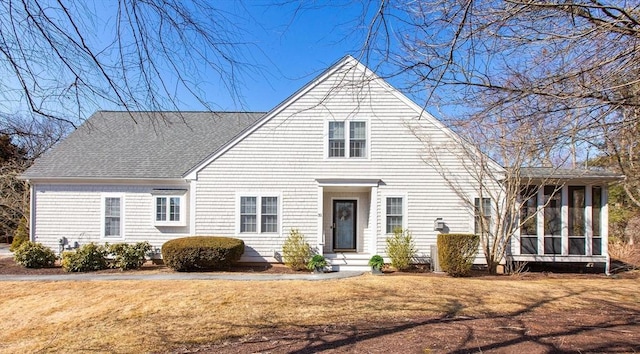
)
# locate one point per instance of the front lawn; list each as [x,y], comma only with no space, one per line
[159,316]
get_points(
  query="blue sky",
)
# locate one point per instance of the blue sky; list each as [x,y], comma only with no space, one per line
[292,46]
[283,45]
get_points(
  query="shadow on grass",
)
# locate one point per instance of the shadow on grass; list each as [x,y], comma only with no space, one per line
[613,328]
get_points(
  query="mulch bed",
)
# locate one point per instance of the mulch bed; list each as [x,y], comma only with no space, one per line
[9,267]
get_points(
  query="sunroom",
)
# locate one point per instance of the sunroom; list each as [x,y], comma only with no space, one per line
[563,216]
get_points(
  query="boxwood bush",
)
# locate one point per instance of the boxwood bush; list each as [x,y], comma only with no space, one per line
[456,253]
[34,255]
[86,258]
[201,253]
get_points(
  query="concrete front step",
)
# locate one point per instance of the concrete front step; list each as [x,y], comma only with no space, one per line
[348,261]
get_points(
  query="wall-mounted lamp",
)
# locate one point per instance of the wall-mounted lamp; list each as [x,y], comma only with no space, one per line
[438,224]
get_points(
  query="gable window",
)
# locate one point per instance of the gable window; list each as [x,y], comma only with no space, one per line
[357,139]
[336,139]
[394,214]
[112,217]
[482,215]
[343,142]
[259,214]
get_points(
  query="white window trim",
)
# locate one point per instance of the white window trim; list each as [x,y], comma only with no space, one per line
[167,222]
[405,214]
[103,198]
[347,139]
[258,195]
[492,216]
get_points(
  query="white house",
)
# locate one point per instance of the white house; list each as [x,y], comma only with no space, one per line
[340,160]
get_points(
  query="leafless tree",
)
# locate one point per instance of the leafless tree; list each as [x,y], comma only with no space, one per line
[64,59]
[23,138]
[495,196]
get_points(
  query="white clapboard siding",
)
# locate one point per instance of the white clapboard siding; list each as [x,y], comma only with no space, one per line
[287,154]
[82,221]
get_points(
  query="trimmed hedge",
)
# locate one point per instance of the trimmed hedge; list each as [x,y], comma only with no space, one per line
[456,253]
[201,253]
[34,255]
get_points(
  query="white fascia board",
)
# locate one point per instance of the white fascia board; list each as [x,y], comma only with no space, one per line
[112,181]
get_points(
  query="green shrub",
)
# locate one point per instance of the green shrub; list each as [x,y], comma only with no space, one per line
[317,262]
[401,249]
[376,262]
[88,257]
[34,255]
[201,252]
[21,234]
[456,253]
[296,250]
[127,256]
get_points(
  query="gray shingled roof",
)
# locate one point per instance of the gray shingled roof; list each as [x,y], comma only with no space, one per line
[140,144]
[566,173]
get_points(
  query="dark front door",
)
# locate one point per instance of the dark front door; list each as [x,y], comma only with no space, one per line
[345,214]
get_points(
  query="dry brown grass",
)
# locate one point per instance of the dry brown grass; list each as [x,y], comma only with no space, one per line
[148,316]
[625,252]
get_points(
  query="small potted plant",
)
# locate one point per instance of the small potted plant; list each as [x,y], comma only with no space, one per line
[376,262]
[317,264]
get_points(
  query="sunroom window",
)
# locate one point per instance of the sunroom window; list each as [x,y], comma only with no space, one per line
[529,220]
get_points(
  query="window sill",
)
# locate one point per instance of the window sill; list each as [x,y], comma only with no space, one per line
[170,224]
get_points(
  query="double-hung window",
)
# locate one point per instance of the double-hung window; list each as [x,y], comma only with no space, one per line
[112,217]
[357,139]
[259,214]
[394,214]
[482,218]
[336,139]
[351,142]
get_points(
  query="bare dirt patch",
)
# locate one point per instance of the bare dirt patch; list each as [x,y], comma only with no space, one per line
[607,330]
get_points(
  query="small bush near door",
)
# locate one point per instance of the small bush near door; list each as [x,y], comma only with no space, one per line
[401,249]
[456,253]
[296,251]
[202,253]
